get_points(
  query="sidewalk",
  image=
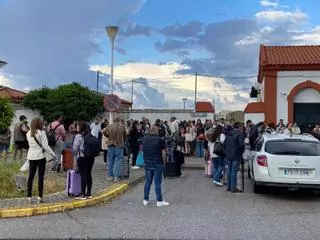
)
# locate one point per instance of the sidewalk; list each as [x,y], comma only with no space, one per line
[102,191]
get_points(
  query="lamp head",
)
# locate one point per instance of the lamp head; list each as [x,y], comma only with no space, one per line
[112,32]
[2,63]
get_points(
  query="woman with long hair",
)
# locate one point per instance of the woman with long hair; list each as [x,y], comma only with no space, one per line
[38,146]
[134,136]
[218,160]
[84,164]
[189,138]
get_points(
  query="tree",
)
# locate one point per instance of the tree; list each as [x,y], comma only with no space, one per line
[72,101]
[6,113]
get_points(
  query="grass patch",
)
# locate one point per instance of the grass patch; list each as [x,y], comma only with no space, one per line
[53,183]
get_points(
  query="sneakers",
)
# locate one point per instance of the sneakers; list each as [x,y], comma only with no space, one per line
[110,179]
[39,200]
[135,167]
[116,179]
[162,204]
[145,203]
[218,183]
[89,196]
[82,197]
[29,200]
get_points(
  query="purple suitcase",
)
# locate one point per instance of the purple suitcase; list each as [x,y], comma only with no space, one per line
[73,183]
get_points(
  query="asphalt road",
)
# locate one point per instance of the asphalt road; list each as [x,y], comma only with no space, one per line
[198,210]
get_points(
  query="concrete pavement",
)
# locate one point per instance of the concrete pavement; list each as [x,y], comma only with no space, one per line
[198,210]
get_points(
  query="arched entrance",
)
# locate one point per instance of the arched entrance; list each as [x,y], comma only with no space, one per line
[304,103]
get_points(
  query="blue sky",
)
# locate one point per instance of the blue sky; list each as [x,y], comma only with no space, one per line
[162,43]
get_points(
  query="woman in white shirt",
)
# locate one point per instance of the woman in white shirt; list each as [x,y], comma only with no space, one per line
[38,146]
[218,160]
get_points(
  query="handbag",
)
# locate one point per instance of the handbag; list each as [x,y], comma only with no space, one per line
[47,156]
[25,167]
[218,148]
[140,160]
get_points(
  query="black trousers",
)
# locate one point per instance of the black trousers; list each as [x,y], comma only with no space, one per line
[135,153]
[85,165]
[41,166]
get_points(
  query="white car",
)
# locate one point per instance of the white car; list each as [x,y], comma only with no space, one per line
[291,161]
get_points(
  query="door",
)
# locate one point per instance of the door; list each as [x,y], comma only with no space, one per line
[306,113]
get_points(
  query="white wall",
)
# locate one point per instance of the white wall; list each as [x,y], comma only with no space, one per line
[163,114]
[286,82]
[20,110]
[254,117]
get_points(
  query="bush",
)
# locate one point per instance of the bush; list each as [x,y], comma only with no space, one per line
[53,183]
[6,113]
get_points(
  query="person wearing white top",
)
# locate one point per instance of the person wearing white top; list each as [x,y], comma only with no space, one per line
[38,146]
[96,128]
[218,160]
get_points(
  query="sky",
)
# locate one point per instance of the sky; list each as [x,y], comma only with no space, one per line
[161,44]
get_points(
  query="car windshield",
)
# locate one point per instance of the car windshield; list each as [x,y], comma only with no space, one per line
[293,147]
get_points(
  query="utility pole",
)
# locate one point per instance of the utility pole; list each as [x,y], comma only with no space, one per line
[98,79]
[132,80]
[184,103]
[195,90]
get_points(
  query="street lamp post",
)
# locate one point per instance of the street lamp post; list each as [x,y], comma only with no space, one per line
[112,33]
[184,103]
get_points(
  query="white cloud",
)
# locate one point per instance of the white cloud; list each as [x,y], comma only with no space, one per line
[312,37]
[176,86]
[4,81]
[280,16]
[266,3]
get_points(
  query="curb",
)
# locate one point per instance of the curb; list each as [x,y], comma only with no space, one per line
[104,196]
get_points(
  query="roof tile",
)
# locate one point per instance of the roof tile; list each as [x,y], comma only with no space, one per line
[204,107]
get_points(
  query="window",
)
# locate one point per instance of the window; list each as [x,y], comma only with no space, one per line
[293,147]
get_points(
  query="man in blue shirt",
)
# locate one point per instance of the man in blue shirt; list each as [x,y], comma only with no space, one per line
[153,148]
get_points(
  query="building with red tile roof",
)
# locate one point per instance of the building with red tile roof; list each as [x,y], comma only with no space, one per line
[290,85]
[14,96]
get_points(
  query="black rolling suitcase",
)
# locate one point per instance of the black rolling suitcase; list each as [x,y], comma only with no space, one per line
[125,165]
[172,167]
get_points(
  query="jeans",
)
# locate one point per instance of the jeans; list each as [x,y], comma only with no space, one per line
[41,165]
[85,165]
[58,148]
[218,164]
[155,172]
[233,168]
[114,159]
[200,148]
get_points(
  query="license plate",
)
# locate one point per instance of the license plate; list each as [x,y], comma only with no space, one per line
[297,172]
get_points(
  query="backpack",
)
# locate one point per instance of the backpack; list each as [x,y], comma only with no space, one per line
[51,135]
[91,146]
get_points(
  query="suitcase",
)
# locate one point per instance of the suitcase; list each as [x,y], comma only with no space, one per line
[21,182]
[172,168]
[73,183]
[67,159]
[124,168]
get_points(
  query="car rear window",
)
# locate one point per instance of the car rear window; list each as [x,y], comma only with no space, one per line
[293,147]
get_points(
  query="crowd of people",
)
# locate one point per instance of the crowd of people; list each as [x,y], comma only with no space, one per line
[220,144]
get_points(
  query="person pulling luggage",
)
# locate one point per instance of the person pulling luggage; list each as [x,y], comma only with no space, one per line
[86,147]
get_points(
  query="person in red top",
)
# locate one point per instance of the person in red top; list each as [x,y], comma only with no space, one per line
[60,134]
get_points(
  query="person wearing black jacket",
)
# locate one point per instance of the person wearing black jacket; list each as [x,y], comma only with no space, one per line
[134,136]
[161,128]
[235,147]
